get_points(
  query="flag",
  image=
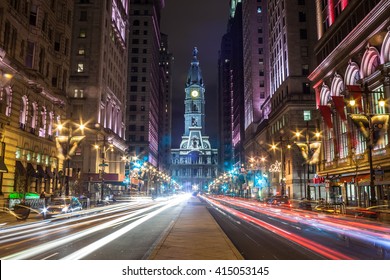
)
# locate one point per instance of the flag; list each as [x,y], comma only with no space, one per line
[358,101]
[326,115]
[354,88]
[340,104]
[379,127]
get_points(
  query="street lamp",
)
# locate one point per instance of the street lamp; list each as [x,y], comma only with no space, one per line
[368,122]
[71,142]
[104,150]
[309,148]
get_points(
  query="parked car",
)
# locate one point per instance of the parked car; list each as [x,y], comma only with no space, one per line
[305,204]
[279,201]
[61,205]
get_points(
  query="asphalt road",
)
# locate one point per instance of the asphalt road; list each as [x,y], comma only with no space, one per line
[274,233]
[124,231]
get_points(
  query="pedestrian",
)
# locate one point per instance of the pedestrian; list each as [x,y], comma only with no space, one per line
[43,196]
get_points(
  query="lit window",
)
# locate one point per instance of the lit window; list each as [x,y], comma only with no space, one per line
[80,67]
[258,10]
[82,34]
[81,51]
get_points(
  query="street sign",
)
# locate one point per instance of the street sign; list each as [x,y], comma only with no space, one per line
[103,164]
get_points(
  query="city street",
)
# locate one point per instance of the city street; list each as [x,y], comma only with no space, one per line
[133,230]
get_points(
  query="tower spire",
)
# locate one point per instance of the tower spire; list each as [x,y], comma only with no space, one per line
[194,76]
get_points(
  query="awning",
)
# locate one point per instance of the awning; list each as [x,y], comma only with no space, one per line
[115,183]
[20,168]
[3,167]
[48,172]
[355,179]
[40,172]
[31,170]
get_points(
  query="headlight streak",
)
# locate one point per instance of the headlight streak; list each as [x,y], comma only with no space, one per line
[34,251]
[107,239]
[53,228]
[313,246]
[99,227]
[29,230]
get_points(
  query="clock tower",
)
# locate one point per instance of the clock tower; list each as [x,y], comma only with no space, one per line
[194,164]
[194,99]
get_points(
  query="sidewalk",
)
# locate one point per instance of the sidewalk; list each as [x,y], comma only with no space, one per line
[195,235]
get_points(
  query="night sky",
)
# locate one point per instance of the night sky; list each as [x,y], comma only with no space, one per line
[190,24]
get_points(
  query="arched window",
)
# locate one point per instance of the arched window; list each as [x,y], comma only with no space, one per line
[352,74]
[50,125]
[385,51]
[324,95]
[370,62]
[23,112]
[8,101]
[42,122]
[34,116]
[329,140]
[342,129]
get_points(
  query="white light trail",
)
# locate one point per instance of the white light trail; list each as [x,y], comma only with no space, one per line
[34,251]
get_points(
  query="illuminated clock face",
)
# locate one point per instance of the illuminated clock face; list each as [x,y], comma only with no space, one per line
[194,93]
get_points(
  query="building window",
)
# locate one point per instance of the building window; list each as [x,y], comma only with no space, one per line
[80,67]
[33,14]
[302,17]
[30,54]
[303,34]
[305,69]
[142,108]
[306,88]
[83,15]
[82,34]
[81,51]
[78,93]
[133,108]
[304,51]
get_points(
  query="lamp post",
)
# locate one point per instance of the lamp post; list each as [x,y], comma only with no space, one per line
[104,163]
[280,167]
[308,149]
[366,118]
[72,142]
